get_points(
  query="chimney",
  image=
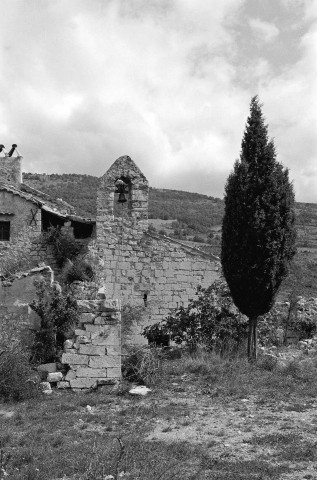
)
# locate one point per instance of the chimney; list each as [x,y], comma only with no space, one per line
[11,167]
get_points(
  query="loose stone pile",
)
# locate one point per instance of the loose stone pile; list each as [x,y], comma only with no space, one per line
[303,347]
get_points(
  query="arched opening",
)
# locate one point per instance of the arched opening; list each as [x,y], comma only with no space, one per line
[122,197]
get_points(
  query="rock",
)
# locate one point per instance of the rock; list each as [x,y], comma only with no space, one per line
[63,385]
[140,390]
[6,414]
[45,387]
[71,375]
[82,339]
[68,344]
[47,367]
[54,377]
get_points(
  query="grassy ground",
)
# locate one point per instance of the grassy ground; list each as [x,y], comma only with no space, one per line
[206,418]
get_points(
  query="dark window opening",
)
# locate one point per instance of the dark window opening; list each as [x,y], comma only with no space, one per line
[82,230]
[50,220]
[145,299]
[5,231]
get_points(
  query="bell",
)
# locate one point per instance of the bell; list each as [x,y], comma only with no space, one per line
[122,198]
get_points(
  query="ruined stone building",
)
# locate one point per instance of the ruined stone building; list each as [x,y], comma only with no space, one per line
[148,273]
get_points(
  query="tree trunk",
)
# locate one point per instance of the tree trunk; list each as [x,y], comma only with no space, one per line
[252,339]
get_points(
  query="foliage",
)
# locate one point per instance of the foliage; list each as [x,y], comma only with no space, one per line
[304,318]
[209,319]
[14,261]
[258,234]
[77,270]
[64,244]
[141,364]
[17,380]
[58,312]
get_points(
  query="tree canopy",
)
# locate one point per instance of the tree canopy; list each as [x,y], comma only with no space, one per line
[258,234]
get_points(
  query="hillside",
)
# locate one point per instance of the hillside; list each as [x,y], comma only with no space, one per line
[191,217]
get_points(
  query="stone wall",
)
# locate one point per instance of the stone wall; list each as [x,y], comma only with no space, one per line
[94,355]
[23,227]
[17,319]
[11,170]
[150,274]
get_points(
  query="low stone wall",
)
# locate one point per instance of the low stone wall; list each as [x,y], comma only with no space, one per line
[94,355]
[17,319]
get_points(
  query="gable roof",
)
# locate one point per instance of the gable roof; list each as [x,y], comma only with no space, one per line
[44,201]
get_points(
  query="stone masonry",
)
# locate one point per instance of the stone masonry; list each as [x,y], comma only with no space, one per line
[94,355]
[150,274]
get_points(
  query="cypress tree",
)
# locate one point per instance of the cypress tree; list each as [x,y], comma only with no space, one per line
[258,233]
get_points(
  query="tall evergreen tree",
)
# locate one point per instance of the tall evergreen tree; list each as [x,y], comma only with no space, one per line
[258,233]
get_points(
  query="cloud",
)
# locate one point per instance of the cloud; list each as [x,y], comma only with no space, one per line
[163,81]
[264,31]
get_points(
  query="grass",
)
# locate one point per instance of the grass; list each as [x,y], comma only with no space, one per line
[56,437]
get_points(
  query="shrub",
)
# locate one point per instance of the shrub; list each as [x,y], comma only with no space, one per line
[210,319]
[141,364]
[17,380]
[13,262]
[78,270]
[58,312]
[65,246]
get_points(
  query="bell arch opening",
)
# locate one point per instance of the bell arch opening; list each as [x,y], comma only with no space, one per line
[122,203]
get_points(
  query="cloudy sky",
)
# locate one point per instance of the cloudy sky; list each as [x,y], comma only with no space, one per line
[167,82]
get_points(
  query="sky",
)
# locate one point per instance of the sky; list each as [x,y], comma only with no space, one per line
[167,82]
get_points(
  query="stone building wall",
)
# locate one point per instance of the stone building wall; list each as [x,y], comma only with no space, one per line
[11,171]
[94,355]
[17,319]
[150,274]
[23,227]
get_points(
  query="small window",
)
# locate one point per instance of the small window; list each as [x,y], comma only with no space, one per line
[4,230]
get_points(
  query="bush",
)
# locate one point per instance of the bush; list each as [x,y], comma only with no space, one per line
[17,380]
[141,364]
[64,244]
[59,313]
[78,270]
[211,319]
[13,262]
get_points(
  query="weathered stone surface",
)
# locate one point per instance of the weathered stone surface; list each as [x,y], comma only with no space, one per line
[113,350]
[62,385]
[87,317]
[47,367]
[140,390]
[34,320]
[114,372]
[83,383]
[82,339]
[71,375]
[105,361]
[68,344]
[45,386]
[107,381]
[75,359]
[113,339]
[92,350]
[91,372]
[80,332]
[54,377]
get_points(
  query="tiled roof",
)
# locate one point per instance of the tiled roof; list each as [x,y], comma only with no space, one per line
[56,206]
